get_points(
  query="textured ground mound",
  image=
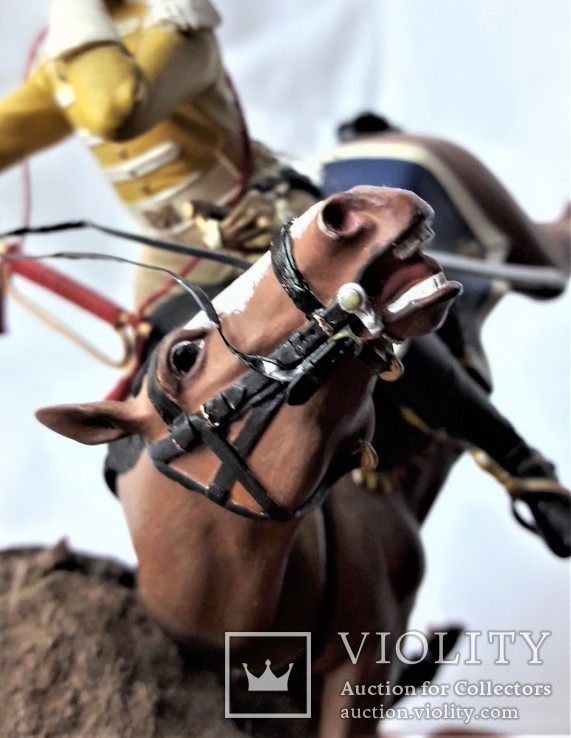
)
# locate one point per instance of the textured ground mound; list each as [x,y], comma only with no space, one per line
[79,657]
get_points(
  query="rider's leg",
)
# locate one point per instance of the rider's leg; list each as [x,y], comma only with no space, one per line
[445,398]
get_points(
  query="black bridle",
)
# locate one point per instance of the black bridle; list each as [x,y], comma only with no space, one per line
[290,374]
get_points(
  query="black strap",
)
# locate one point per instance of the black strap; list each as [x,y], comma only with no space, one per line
[157,243]
[289,276]
[233,469]
[257,363]
[312,353]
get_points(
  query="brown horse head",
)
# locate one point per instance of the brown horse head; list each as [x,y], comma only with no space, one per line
[352,264]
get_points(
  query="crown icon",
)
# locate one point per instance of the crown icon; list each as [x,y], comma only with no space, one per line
[268,681]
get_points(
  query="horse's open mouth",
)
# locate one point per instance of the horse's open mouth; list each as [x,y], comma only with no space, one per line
[409,290]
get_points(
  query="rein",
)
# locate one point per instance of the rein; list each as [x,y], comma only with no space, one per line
[93,303]
[157,243]
[291,375]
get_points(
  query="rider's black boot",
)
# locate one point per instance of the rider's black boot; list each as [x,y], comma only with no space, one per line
[531,480]
[552,515]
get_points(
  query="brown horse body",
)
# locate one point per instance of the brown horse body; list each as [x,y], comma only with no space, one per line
[204,571]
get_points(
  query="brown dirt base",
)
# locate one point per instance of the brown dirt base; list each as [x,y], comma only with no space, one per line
[79,657]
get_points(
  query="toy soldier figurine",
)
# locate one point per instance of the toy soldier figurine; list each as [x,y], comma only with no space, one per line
[142,83]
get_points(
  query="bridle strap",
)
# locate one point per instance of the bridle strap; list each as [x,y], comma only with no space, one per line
[201,298]
[233,469]
[28,266]
[157,243]
[292,373]
[289,275]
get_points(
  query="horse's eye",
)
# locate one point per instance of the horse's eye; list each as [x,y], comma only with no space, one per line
[183,355]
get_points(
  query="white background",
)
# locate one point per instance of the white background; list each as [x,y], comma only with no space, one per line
[492,76]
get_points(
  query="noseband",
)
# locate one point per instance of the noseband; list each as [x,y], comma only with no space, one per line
[290,375]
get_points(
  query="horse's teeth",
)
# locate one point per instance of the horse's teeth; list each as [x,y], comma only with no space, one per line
[413,243]
[420,290]
[407,248]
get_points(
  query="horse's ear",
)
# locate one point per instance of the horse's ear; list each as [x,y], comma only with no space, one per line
[91,423]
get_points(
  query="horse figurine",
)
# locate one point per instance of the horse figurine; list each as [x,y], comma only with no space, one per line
[249,414]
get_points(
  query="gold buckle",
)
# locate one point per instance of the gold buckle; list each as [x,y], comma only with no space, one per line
[205,414]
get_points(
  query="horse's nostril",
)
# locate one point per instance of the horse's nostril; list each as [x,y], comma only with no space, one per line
[338,218]
[183,356]
[334,215]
